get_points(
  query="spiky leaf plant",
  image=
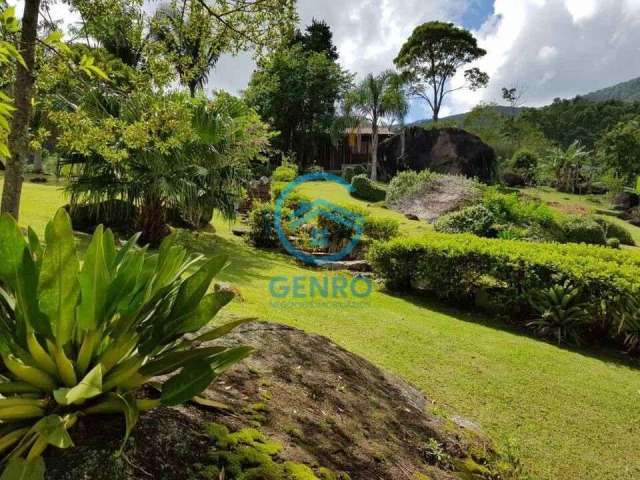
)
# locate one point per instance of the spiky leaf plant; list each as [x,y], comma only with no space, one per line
[562,315]
[81,340]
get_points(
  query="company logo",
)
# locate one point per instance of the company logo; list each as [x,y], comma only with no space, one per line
[307,213]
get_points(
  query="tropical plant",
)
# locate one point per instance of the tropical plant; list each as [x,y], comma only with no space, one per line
[431,57]
[8,54]
[562,314]
[374,100]
[82,340]
[569,167]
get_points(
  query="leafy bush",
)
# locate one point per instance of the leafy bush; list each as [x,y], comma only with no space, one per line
[613,243]
[512,208]
[580,229]
[457,268]
[262,231]
[366,189]
[594,230]
[381,228]
[78,341]
[409,182]
[350,171]
[342,222]
[525,164]
[286,172]
[476,219]
[561,315]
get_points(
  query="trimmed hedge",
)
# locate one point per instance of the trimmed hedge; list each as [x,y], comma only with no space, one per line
[477,219]
[461,269]
[350,171]
[366,189]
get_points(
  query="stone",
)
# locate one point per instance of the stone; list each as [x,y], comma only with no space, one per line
[411,216]
[625,201]
[443,150]
[512,178]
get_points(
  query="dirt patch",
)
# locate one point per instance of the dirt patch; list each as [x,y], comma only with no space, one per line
[438,197]
[570,208]
[325,406]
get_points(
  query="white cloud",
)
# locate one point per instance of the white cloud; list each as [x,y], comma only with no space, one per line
[547,53]
[581,9]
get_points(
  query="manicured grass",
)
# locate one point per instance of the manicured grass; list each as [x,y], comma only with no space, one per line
[570,414]
[590,203]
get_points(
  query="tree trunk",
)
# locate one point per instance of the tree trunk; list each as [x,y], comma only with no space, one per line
[37,162]
[152,222]
[23,93]
[374,149]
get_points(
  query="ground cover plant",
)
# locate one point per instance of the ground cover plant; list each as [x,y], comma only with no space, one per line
[487,365]
[82,340]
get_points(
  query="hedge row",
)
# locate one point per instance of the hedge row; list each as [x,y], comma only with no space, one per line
[503,275]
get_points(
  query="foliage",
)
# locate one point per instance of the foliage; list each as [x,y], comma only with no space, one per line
[366,189]
[160,152]
[318,38]
[561,315]
[620,149]
[477,219]
[512,208]
[573,169]
[350,171]
[8,53]
[81,341]
[409,182]
[431,57]
[286,172]
[296,91]
[456,268]
[262,231]
[525,162]
[594,230]
[567,121]
[375,100]
[377,228]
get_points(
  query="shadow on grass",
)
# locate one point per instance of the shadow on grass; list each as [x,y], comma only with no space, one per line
[604,354]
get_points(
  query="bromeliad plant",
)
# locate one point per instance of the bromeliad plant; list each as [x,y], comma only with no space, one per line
[78,341]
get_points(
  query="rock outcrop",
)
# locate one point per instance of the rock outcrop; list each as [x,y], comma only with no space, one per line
[445,150]
[311,407]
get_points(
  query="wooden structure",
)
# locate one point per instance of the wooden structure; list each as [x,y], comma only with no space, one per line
[353,148]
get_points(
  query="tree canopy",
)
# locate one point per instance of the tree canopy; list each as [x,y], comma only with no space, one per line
[432,56]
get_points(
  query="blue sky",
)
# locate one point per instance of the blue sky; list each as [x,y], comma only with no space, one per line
[477,13]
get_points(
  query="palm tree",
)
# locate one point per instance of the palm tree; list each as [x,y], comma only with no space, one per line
[377,99]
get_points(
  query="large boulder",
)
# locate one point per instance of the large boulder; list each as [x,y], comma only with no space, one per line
[625,201]
[308,402]
[444,150]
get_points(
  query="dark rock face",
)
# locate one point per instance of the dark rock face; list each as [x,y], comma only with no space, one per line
[445,150]
[626,201]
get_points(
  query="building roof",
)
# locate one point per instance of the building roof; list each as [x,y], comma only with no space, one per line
[367,130]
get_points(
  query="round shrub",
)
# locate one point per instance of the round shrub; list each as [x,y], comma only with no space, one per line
[614,230]
[524,160]
[381,228]
[613,242]
[366,189]
[262,232]
[287,172]
[350,171]
[583,230]
[408,182]
[476,219]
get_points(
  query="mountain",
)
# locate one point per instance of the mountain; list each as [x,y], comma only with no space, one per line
[626,91]
[459,118]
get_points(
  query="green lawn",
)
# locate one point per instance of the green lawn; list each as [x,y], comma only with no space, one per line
[571,415]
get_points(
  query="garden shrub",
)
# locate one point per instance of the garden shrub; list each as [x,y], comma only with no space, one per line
[457,268]
[525,163]
[339,232]
[79,340]
[262,232]
[613,242]
[350,171]
[512,208]
[477,219]
[409,182]
[286,172]
[381,228]
[614,230]
[366,189]
[581,229]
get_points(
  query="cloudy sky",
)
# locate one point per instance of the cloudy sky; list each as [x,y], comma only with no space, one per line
[548,48]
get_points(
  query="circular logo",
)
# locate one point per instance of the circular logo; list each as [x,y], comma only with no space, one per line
[308,212]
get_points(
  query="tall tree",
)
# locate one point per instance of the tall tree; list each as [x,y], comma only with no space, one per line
[317,38]
[375,100]
[432,56]
[297,92]
[23,99]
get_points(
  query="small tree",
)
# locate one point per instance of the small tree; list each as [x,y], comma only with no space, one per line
[620,148]
[374,100]
[432,56]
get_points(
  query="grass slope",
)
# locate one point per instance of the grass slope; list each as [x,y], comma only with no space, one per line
[569,414]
